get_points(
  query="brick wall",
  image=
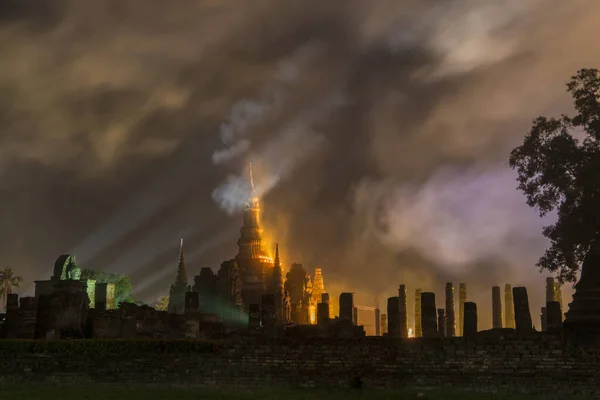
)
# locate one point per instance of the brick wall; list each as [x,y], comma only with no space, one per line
[539,364]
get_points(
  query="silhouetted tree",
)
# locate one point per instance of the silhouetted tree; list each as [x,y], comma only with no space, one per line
[122,283]
[559,170]
[8,281]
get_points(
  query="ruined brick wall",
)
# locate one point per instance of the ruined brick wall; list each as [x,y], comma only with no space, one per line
[538,364]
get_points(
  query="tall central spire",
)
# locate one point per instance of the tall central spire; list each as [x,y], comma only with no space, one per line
[253,202]
[277,262]
[181,271]
[251,243]
[252,181]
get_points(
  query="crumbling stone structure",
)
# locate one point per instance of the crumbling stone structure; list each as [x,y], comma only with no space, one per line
[323,314]
[403,312]
[583,317]
[522,314]
[393,313]
[295,287]
[496,308]
[462,298]
[441,323]
[553,317]
[470,327]
[268,316]
[509,307]
[346,321]
[63,314]
[66,268]
[544,320]
[450,319]
[428,315]
[418,325]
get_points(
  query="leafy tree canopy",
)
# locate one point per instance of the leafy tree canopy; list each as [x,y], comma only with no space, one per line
[122,283]
[8,281]
[559,170]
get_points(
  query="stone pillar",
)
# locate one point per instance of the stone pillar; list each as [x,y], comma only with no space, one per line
[346,324]
[549,290]
[509,307]
[470,326]
[377,322]
[553,317]
[558,297]
[441,322]
[325,299]
[104,296]
[428,315]
[403,310]
[384,326]
[418,326]
[346,307]
[192,302]
[12,302]
[496,308]
[393,313]
[550,296]
[355,316]
[323,314]
[543,319]
[462,298]
[450,320]
[26,320]
[522,314]
[268,315]
[254,319]
[9,328]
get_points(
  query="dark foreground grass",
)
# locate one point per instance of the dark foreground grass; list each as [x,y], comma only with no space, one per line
[117,393]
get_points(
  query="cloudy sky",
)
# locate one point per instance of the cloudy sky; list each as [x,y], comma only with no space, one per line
[379,131]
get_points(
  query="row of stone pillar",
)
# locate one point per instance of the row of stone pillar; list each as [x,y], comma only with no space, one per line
[433,322]
[397,315]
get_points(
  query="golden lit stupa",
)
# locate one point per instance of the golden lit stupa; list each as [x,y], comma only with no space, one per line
[255,265]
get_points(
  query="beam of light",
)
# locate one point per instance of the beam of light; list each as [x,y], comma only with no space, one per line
[170,269]
[247,113]
[143,206]
[280,157]
[166,189]
[145,250]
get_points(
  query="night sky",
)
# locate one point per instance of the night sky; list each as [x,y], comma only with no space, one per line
[379,132]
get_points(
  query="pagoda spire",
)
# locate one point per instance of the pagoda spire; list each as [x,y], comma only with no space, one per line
[181,271]
[277,274]
[277,262]
[252,180]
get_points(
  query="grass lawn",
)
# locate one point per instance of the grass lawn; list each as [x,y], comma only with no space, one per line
[116,393]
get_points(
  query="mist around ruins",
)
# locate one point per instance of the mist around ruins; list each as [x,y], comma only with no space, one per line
[379,131]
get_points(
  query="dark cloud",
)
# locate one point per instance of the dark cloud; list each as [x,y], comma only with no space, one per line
[379,132]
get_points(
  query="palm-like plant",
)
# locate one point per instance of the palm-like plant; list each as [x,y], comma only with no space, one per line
[8,281]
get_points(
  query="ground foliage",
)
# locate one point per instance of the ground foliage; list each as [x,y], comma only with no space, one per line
[114,393]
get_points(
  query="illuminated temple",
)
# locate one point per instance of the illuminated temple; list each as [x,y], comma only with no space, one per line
[245,281]
[255,266]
